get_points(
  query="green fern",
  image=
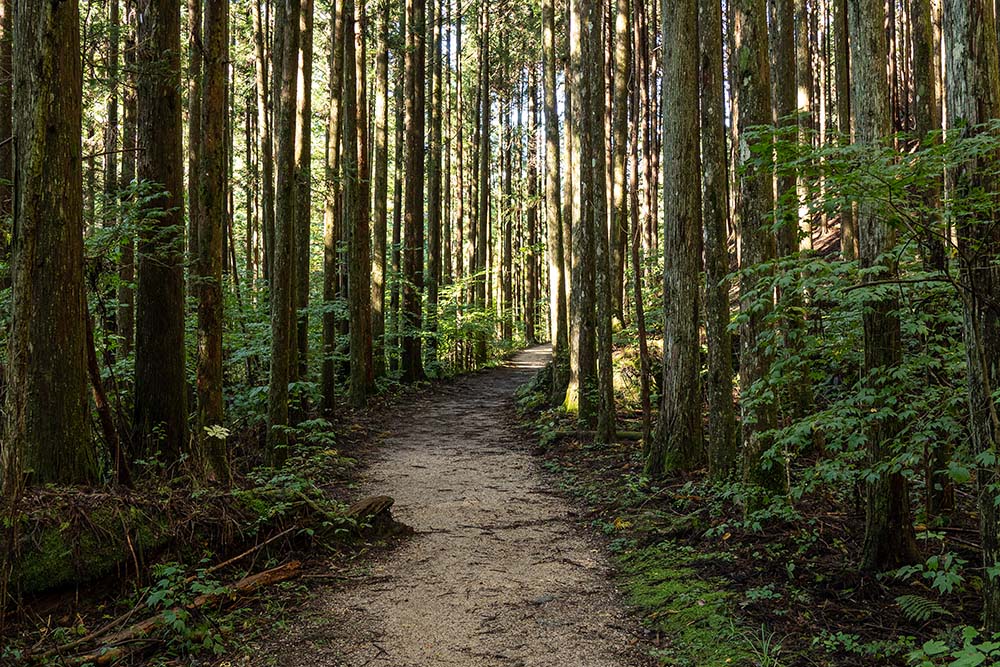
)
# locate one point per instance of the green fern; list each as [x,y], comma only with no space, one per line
[919,609]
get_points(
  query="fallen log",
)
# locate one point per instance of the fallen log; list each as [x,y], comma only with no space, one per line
[132,639]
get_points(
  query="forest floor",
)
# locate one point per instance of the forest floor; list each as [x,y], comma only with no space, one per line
[499,570]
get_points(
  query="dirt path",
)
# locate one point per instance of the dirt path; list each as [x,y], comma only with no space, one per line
[498,572]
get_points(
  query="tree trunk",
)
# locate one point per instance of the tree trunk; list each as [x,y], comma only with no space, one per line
[715,220]
[331,223]
[160,422]
[212,172]
[7,149]
[586,122]
[754,208]
[619,145]
[196,51]
[397,195]
[434,189]
[677,443]
[553,223]
[48,411]
[973,97]
[532,268]
[889,540]
[264,127]
[842,67]
[303,180]
[284,227]
[413,221]
[483,182]
[356,204]
[126,265]
[381,186]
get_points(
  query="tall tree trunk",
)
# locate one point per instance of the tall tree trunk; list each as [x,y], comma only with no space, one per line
[434,189]
[553,209]
[619,144]
[483,182]
[973,98]
[413,225]
[889,540]
[126,265]
[599,129]
[356,203]
[926,119]
[677,443]
[160,422]
[381,186]
[282,298]
[48,411]
[303,180]
[264,127]
[397,194]
[755,210]
[715,221]
[212,198]
[586,122]
[111,130]
[805,121]
[842,67]
[636,245]
[196,54]
[532,268]
[331,223]
[7,149]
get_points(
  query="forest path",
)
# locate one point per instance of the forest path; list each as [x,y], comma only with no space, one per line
[498,572]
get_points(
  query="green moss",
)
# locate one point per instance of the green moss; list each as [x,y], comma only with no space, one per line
[690,612]
[61,554]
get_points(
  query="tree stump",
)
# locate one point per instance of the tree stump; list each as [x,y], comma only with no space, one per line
[374,515]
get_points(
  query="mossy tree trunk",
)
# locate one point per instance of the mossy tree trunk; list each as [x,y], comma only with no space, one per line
[212,174]
[47,436]
[678,442]
[889,540]
[160,421]
[715,221]
[754,212]
[282,298]
[973,98]
[413,215]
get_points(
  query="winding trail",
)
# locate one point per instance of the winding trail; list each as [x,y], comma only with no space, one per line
[498,572]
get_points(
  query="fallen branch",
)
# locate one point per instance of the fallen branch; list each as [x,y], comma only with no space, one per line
[130,639]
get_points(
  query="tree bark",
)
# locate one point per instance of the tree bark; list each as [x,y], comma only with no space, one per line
[715,221]
[589,201]
[264,126]
[356,204]
[331,223]
[413,215]
[677,443]
[754,209]
[889,540]
[434,190]
[281,288]
[196,49]
[303,181]
[126,265]
[48,411]
[973,98]
[555,242]
[212,186]
[842,67]
[160,422]
[381,186]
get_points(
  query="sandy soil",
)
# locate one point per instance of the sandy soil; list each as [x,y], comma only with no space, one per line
[499,573]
